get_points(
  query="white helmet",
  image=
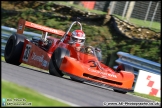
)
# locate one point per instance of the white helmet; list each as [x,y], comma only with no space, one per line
[78,36]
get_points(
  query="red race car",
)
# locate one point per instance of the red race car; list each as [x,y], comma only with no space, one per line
[59,57]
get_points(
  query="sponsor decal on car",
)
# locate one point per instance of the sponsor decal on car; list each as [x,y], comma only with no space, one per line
[39,59]
[102,73]
[44,28]
[20,27]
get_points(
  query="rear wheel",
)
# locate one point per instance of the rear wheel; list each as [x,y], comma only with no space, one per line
[14,48]
[56,61]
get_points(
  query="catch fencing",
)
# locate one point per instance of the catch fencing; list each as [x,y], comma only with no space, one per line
[140,13]
[148,13]
[124,58]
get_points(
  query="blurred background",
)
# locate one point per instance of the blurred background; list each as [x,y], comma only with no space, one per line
[141,13]
[58,15]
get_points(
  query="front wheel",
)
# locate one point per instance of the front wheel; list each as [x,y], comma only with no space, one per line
[75,79]
[56,61]
[14,48]
[119,91]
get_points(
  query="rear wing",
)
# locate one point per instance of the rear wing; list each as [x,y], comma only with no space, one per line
[45,30]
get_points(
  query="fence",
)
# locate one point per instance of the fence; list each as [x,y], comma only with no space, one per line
[140,13]
[124,58]
[149,12]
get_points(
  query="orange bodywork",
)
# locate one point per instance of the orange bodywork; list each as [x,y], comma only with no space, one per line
[78,64]
[81,68]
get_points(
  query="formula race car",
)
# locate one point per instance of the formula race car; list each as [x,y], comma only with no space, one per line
[59,56]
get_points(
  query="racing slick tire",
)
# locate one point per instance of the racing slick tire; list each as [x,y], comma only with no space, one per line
[119,91]
[124,68]
[14,48]
[56,61]
[52,69]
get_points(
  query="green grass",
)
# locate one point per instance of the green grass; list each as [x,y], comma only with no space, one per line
[11,90]
[156,26]
[135,93]
[147,96]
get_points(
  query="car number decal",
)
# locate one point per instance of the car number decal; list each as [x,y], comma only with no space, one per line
[26,52]
[93,64]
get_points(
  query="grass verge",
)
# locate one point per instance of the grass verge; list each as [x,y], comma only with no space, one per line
[12,91]
[147,96]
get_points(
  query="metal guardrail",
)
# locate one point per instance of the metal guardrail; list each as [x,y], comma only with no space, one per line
[124,58]
[6,32]
[138,64]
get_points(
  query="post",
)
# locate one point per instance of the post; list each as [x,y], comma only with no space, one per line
[130,9]
[125,8]
[154,14]
[112,6]
[148,10]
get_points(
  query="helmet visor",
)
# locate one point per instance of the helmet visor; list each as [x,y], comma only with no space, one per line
[77,40]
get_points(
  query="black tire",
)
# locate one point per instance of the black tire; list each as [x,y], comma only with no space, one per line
[56,61]
[74,79]
[52,69]
[14,48]
[119,91]
[124,68]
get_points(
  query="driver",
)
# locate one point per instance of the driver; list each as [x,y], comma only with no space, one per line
[89,50]
[78,37]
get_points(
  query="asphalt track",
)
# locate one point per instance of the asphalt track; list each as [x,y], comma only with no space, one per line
[80,94]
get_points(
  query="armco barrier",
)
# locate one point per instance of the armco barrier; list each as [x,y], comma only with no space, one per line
[6,32]
[138,64]
[124,58]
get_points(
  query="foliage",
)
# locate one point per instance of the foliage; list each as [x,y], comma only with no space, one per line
[103,37]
